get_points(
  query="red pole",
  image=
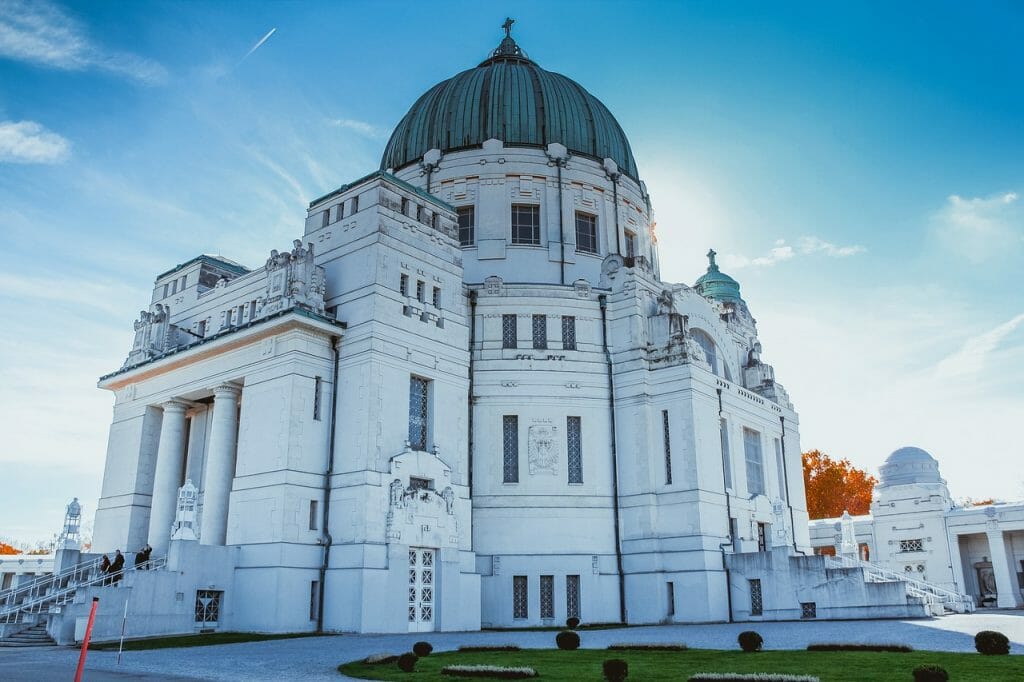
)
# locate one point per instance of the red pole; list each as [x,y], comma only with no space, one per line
[85,642]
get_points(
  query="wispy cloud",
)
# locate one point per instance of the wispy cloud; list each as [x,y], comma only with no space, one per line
[778,253]
[41,33]
[30,142]
[971,357]
[258,44]
[806,246]
[809,245]
[361,127]
[981,227]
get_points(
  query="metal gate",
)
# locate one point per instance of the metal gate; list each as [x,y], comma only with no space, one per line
[421,590]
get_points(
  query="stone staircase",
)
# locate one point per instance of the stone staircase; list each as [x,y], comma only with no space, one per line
[939,600]
[33,636]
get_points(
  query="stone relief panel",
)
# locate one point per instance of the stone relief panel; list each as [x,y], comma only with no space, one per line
[543,447]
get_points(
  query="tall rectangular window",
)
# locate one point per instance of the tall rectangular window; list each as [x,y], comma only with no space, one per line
[723,427]
[341,211]
[421,291]
[572,596]
[436,298]
[586,232]
[403,284]
[509,332]
[568,332]
[667,439]
[630,245]
[540,332]
[762,537]
[547,596]
[526,224]
[318,389]
[574,440]
[781,465]
[325,218]
[671,598]
[314,599]
[313,514]
[756,605]
[520,597]
[510,448]
[419,395]
[755,464]
[467,225]
[167,290]
[355,204]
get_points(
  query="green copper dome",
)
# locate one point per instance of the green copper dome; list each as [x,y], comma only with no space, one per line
[509,98]
[716,284]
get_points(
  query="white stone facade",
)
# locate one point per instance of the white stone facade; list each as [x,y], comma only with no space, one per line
[397,426]
[915,528]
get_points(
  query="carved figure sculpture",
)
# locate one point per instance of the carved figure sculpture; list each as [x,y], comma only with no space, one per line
[448,495]
[397,493]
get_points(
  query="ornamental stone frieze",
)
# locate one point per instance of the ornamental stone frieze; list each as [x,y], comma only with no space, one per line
[293,279]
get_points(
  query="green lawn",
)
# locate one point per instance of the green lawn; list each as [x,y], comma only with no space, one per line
[654,666]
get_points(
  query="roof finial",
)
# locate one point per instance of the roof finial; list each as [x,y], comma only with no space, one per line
[508,47]
[508,26]
[711,260]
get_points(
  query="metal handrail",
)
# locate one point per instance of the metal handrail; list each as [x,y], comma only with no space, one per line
[11,613]
[42,584]
[916,587]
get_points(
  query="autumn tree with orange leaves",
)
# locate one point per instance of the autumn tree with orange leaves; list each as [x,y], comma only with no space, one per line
[834,486]
[8,549]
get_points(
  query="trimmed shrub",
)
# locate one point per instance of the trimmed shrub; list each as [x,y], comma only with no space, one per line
[615,670]
[750,641]
[930,673]
[407,662]
[498,647]
[751,677]
[646,646]
[567,640]
[894,648]
[422,649]
[992,643]
[493,671]
[375,659]
[572,623]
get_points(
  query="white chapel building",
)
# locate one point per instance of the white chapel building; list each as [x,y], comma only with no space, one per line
[462,398]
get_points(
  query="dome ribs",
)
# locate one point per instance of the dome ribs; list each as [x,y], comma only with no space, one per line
[515,101]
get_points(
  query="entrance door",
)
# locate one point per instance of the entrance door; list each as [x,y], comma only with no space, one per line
[421,590]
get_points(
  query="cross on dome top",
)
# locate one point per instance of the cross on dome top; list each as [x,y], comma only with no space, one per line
[508,48]
[712,265]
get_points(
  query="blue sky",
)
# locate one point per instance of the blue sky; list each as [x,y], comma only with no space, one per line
[858,166]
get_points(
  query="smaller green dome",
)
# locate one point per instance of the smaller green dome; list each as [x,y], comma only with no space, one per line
[716,284]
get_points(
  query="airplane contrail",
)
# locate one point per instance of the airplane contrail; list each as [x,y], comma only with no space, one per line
[259,44]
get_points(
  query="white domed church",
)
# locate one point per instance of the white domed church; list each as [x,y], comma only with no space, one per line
[464,398]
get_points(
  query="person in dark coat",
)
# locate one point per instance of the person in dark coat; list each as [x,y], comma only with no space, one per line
[105,567]
[116,567]
[140,559]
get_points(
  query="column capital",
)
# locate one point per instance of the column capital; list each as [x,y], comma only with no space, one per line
[227,390]
[175,405]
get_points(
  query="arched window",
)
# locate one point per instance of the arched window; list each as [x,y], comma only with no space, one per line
[702,338]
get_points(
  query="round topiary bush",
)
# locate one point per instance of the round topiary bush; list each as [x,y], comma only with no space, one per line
[750,641]
[422,649]
[567,640]
[407,662]
[615,670]
[572,623]
[992,643]
[930,673]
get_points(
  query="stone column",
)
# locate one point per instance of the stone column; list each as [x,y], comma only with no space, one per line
[1006,583]
[170,456]
[220,464]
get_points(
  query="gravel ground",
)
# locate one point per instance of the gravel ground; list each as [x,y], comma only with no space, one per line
[316,658]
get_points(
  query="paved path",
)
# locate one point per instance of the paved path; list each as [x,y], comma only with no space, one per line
[317,658]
